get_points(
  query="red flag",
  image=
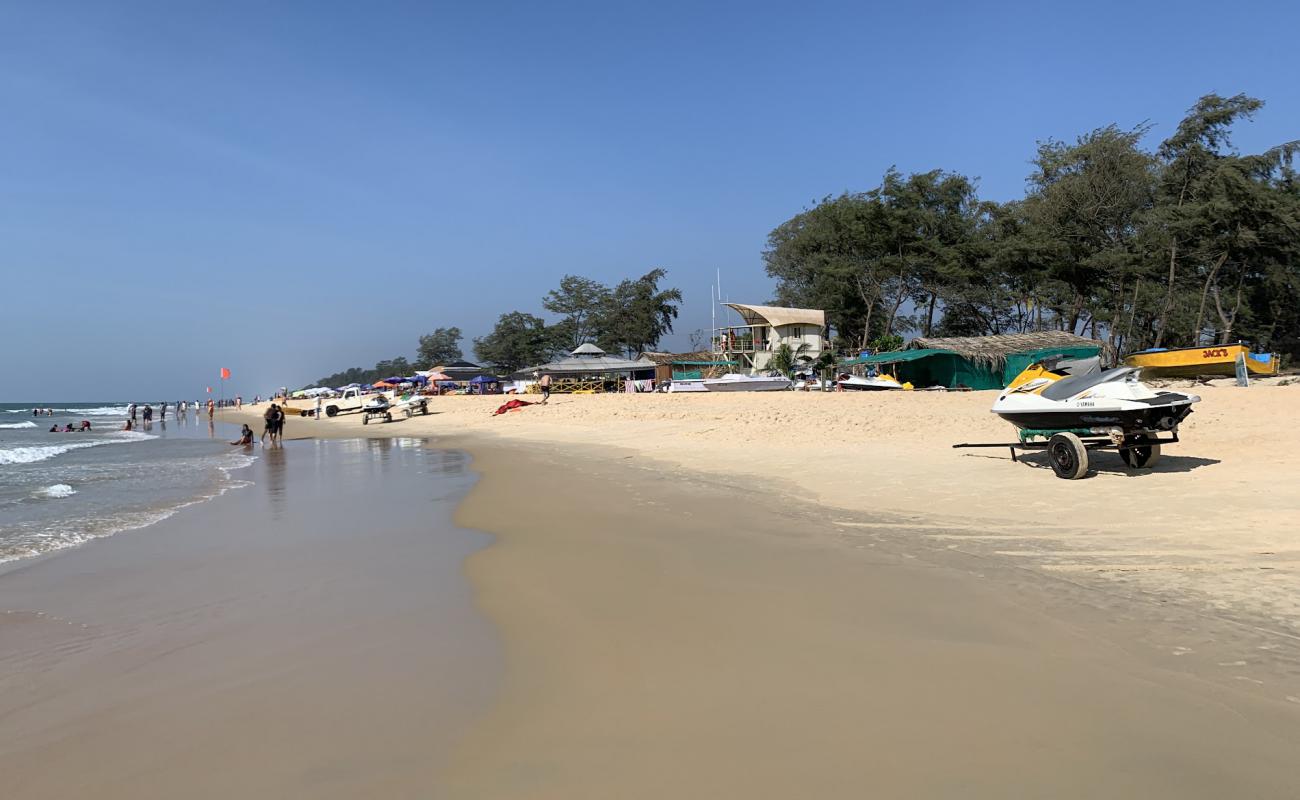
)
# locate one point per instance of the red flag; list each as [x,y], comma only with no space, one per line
[225,374]
[209,390]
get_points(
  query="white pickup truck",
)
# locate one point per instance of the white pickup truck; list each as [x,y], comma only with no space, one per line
[351,400]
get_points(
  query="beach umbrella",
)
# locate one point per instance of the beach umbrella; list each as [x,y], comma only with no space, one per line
[437,376]
[417,379]
[382,385]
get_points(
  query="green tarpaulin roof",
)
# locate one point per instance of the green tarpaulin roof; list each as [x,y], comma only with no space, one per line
[898,356]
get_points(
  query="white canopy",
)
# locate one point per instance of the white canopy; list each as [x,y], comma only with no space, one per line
[776,315]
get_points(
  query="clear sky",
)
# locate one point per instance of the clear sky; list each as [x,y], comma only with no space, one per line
[288,189]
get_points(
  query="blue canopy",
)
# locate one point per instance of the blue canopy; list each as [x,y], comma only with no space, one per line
[484,379]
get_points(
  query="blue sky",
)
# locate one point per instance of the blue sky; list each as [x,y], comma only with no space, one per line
[287,189]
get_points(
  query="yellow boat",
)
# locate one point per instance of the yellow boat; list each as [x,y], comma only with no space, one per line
[1219,359]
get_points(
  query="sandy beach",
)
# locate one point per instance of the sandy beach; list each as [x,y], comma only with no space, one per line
[789,594]
[748,596]
[1213,525]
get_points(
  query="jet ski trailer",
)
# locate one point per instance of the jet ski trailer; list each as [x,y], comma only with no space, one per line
[1076,407]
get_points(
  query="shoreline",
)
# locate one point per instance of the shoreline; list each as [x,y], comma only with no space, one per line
[275,641]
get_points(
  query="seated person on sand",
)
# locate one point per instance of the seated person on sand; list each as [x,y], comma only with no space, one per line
[245,438]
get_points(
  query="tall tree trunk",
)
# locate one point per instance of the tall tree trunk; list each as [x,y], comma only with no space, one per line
[893,312]
[1112,332]
[1169,291]
[1205,291]
[1231,319]
[1173,266]
[1128,334]
[929,315]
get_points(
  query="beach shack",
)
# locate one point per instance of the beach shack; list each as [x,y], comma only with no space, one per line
[973,362]
[763,329]
[590,370]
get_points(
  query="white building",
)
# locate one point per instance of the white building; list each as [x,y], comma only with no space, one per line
[764,329]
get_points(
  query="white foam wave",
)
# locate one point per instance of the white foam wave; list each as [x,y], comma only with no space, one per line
[57,490]
[30,455]
[51,540]
[13,425]
[98,411]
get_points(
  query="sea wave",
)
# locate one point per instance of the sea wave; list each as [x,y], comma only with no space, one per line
[57,490]
[30,455]
[51,538]
[35,453]
[98,411]
[14,425]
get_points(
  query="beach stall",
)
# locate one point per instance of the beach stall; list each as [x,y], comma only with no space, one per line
[973,362]
[485,384]
[590,370]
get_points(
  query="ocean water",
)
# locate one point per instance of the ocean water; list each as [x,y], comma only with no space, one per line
[59,490]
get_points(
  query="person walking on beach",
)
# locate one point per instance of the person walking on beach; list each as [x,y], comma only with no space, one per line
[545,383]
[239,402]
[212,407]
[162,410]
[130,411]
[268,423]
[148,414]
[319,403]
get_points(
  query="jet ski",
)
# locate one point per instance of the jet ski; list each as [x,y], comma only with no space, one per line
[877,383]
[1061,395]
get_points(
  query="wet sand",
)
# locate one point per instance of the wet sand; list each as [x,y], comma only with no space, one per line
[307,636]
[674,635]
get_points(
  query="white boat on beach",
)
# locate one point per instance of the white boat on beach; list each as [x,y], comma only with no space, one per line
[686,385]
[733,382]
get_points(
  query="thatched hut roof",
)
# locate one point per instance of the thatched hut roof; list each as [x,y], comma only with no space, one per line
[993,350]
[698,357]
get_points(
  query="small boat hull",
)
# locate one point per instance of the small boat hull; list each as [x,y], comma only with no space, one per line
[1190,362]
[745,383]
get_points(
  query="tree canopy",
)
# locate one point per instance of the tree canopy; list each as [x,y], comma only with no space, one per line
[440,347]
[1185,244]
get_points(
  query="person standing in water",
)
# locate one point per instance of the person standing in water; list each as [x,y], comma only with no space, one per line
[212,407]
[162,410]
[130,411]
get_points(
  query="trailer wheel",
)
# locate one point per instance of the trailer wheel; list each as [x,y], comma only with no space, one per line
[1068,455]
[331,410]
[365,419]
[1143,453]
[388,417]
